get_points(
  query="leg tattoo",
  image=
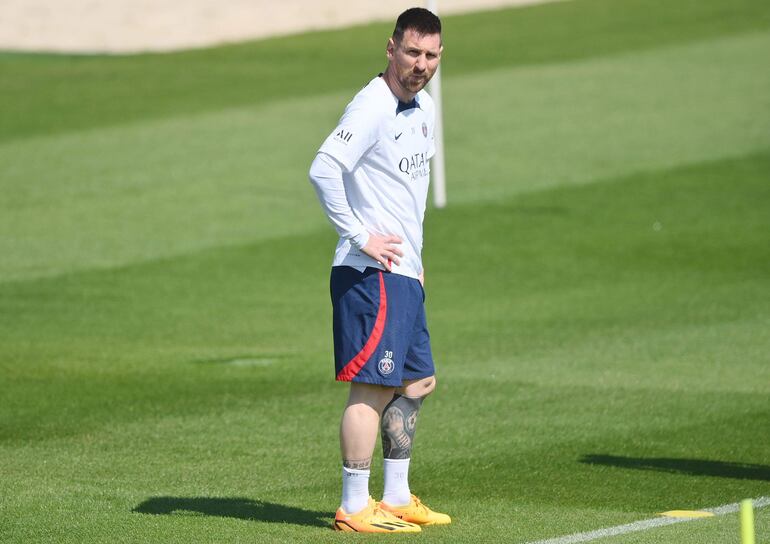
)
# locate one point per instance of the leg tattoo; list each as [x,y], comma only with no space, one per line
[357,464]
[397,428]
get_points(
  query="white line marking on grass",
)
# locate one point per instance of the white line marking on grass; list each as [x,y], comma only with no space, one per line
[643,525]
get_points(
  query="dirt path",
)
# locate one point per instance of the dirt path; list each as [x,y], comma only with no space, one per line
[123,26]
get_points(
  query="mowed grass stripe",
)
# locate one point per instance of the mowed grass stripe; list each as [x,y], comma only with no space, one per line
[521,129]
[51,93]
[687,230]
[733,247]
[109,197]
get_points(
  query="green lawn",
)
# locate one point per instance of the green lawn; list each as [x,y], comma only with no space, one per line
[598,289]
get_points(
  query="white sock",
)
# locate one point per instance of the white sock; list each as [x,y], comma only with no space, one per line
[355,489]
[396,482]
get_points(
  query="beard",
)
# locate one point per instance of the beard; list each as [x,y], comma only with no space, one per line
[415,82]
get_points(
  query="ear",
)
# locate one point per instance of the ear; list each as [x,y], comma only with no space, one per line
[390,49]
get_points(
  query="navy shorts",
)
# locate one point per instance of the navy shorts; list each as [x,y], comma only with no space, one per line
[380,333]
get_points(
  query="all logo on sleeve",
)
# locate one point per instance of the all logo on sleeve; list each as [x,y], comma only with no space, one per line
[343,136]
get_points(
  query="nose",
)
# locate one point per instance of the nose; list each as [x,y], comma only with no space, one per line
[422,63]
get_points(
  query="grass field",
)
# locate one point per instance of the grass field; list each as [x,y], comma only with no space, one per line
[598,289]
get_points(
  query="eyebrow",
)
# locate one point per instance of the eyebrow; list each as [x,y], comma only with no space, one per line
[417,49]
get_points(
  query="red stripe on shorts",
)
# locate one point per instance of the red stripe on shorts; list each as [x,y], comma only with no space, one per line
[350,370]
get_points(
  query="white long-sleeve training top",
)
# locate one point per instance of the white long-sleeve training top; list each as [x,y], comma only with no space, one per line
[372,174]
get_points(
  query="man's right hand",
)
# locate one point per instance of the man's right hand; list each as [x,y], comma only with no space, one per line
[383,249]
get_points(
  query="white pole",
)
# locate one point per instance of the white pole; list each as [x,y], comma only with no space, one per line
[437,164]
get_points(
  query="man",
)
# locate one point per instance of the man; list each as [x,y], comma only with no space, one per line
[371,176]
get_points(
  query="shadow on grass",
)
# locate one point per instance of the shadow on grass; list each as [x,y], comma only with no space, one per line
[233,507]
[693,467]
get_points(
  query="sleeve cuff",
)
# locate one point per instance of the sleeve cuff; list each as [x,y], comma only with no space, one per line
[360,240]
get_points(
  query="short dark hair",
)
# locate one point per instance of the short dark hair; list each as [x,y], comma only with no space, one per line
[420,20]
